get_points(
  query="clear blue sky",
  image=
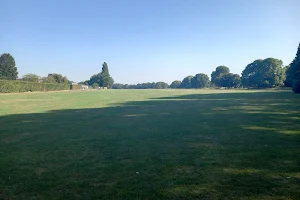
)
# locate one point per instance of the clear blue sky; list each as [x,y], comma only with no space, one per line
[146,40]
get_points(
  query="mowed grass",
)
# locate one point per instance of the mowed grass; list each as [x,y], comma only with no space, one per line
[150,144]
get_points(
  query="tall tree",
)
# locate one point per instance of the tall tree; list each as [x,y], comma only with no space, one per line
[8,69]
[175,84]
[31,78]
[216,75]
[106,80]
[103,78]
[200,81]
[293,72]
[264,74]
[186,82]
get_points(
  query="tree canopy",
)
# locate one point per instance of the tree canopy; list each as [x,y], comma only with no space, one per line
[106,80]
[60,79]
[161,85]
[175,84]
[222,77]
[8,69]
[103,78]
[31,78]
[186,82]
[217,75]
[230,80]
[263,74]
[56,78]
[200,81]
[96,78]
[49,79]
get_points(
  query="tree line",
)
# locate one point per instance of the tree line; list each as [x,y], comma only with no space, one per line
[51,78]
[154,85]
[9,71]
[262,73]
[265,73]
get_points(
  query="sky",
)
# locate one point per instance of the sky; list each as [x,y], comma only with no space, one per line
[146,40]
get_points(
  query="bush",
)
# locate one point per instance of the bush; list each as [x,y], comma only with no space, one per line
[9,86]
[296,86]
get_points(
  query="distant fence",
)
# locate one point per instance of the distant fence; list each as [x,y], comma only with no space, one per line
[11,86]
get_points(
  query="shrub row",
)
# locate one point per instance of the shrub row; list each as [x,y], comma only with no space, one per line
[75,87]
[9,86]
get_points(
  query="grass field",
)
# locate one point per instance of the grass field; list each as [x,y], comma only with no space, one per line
[150,144]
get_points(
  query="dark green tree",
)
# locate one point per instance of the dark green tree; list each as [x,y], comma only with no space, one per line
[216,75]
[31,78]
[106,80]
[148,85]
[230,80]
[289,77]
[84,82]
[186,82]
[175,84]
[165,85]
[265,73]
[152,85]
[296,86]
[200,81]
[293,72]
[8,69]
[161,85]
[103,79]
[96,78]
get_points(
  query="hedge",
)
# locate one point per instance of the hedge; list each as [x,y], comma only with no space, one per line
[75,87]
[9,86]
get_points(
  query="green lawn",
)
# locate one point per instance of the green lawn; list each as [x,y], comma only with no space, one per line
[150,144]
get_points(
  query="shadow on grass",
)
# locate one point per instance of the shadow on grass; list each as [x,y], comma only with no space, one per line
[206,146]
